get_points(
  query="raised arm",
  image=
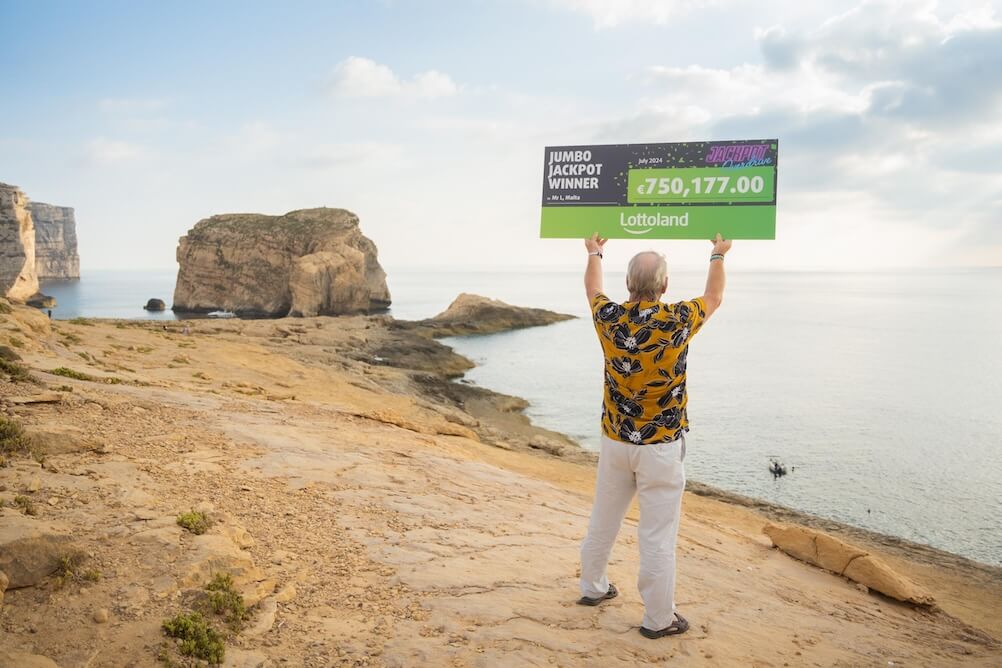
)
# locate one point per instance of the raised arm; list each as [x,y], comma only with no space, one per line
[713,296]
[593,273]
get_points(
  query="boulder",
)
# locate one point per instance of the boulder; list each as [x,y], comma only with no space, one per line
[213,553]
[30,549]
[18,280]
[830,553]
[306,262]
[473,314]
[155,305]
[56,254]
[38,300]
[60,441]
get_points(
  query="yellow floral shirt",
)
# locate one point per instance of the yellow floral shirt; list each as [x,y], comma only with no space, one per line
[645,345]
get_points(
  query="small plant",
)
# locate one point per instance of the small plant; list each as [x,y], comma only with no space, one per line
[197,638]
[80,375]
[16,342]
[226,601]
[5,308]
[70,373]
[15,371]
[64,388]
[80,321]
[182,359]
[68,569]
[201,375]
[194,521]
[12,437]
[70,337]
[84,355]
[26,505]
[145,349]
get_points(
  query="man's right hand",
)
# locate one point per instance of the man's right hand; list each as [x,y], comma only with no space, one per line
[721,245]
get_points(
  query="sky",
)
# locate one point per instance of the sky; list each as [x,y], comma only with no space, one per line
[428,119]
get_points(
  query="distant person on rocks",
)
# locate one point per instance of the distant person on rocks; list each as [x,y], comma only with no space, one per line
[645,342]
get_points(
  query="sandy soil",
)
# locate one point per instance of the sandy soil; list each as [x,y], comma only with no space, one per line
[393,528]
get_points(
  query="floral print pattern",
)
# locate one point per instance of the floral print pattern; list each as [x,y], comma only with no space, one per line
[646,345]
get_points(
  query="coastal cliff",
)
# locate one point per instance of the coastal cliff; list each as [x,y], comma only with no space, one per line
[305,263]
[56,254]
[18,280]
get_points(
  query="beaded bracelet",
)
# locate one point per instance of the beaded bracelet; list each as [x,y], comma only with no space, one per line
[716,256]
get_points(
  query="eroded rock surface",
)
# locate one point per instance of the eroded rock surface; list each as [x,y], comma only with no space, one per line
[18,280]
[308,262]
[855,563]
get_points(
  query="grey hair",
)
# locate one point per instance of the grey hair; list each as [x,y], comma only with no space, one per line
[646,275]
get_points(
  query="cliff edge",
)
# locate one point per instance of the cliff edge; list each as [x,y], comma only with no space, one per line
[18,280]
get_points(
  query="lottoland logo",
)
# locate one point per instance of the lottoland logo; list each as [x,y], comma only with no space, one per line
[642,223]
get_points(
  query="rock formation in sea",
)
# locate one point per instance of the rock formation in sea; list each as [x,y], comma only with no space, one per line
[305,263]
[474,314]
[55,241]
[18,280]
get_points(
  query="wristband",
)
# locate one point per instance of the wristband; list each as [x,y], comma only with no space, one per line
[598,253]
[716,256]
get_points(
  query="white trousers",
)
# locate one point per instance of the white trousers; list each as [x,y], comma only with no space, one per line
[657,475]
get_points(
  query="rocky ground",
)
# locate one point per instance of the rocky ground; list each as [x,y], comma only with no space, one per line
[373,513]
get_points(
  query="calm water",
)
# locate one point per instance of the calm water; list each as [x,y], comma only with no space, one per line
[883,390]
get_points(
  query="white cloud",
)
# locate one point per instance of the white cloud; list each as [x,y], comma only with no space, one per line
[612,13]
[356,76]
[105,151]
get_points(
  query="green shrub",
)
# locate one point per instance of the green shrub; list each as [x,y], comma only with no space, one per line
[197,638]
[194,521]
[80,321]
[225,600]
[80,375]
[26,505]
[12,437]
[15,371]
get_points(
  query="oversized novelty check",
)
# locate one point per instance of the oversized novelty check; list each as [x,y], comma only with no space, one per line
[688,190]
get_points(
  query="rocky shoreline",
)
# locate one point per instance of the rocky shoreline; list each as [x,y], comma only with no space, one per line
[372,511]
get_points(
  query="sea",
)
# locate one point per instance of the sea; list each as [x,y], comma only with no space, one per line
[880,392]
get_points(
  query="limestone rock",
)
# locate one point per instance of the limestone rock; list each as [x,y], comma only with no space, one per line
[154,304]
[18,280]
[213,553]
[307,262]
[38,300]
[14,658]
[55,241]
[245,658]
[4,581]
[30,549]
[60,441]
[101,616]
[855,563]
[473,314]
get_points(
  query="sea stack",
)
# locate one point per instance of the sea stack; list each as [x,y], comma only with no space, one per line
[305,263]
[18,280]
[56,254]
